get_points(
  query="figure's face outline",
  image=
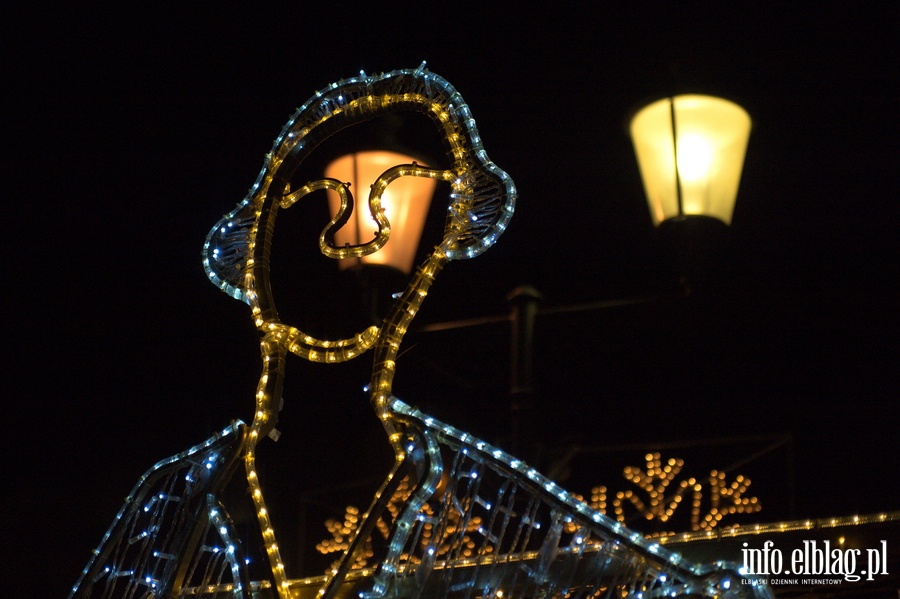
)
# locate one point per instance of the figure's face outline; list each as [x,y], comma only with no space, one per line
[482,196]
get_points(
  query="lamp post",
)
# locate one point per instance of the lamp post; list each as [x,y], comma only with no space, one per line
[367,152]
[690,150]
[405,203]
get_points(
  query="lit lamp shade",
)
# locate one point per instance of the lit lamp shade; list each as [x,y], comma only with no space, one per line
[405,202]
[690,150]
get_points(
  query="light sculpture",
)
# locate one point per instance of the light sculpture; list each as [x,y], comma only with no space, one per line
[452,479]
[690,150]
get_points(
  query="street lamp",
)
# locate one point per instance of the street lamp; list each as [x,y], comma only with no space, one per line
[405,203]
[690,150]
[359,156]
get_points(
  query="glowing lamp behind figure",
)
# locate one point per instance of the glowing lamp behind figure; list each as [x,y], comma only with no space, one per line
[690,150]
[405,203]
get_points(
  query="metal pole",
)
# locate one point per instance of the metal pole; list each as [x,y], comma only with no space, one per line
[523,302]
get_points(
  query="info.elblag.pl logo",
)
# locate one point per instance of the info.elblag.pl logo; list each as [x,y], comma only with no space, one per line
[815,559]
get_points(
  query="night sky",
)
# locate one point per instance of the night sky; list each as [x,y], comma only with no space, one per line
[128,133]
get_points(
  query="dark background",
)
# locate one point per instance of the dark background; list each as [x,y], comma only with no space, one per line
[128,133]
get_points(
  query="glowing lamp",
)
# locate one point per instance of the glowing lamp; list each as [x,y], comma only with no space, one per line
[690,150]
[405,203]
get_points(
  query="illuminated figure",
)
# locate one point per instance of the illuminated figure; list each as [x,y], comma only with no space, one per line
[474,521]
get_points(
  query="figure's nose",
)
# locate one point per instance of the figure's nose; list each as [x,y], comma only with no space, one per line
[405,201]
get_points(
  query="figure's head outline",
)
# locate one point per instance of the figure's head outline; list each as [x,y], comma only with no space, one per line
[482,199]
